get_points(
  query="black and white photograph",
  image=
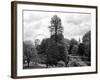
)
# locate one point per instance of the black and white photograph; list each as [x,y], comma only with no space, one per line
[53,39]
[56,39]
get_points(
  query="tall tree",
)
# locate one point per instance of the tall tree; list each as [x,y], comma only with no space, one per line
[56,26]
[87,44]
[30,52]
[54,47]
[57,49]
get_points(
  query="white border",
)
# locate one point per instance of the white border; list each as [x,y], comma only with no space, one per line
[21,72]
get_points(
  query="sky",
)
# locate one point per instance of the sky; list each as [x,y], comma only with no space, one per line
[36,24]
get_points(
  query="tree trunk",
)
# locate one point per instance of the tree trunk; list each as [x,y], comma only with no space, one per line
[47,65]
[28,64]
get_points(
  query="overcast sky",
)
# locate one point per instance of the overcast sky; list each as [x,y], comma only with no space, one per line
[36,24]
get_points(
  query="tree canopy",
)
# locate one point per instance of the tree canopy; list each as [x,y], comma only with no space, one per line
[56,26]
[29,52]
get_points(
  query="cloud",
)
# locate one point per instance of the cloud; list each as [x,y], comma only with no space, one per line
[75,25]
[77,19]
[32,16]
[31,29]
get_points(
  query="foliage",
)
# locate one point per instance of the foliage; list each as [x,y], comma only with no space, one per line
[29,52]
[73,49]
[85,47]
[87,38]
[44,45]
[73,42]
[56,26]
[87,44]
[54,51]
[81,49]
[67,43]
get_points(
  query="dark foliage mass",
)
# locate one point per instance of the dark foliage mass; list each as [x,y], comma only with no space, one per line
[87,43]
[30,53]
[81,49]
[73,46]
[55,51]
